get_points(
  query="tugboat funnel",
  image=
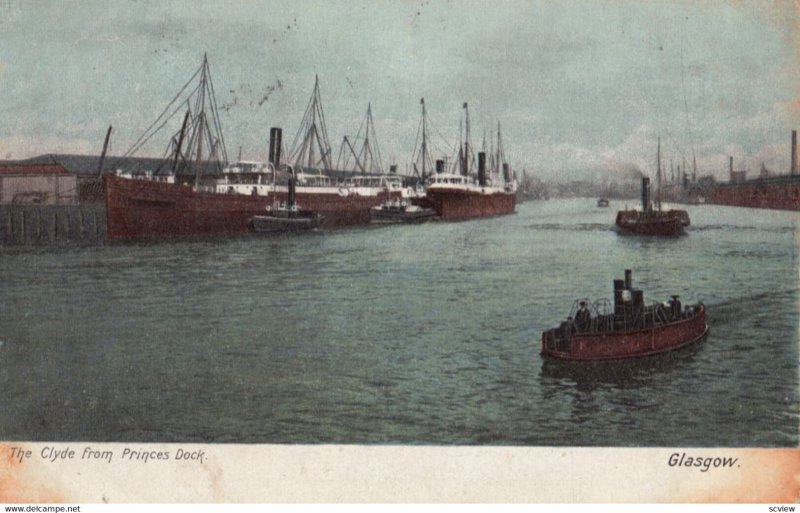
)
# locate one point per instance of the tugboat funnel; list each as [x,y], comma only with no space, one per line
[628,279]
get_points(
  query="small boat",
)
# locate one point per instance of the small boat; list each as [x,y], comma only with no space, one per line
[649,220]
[602,202]
[633,329]
[282,218]
[400,211]
[652,220]
[286,217]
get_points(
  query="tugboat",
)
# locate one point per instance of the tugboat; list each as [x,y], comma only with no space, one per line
[649,220]
[633,329]
[286,217]
[400,211]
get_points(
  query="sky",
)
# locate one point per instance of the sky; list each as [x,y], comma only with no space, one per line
[582,89]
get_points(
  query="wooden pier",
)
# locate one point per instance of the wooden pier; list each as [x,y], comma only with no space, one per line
[47,225]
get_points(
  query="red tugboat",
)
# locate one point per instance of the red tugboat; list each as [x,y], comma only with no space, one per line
[633,329]
[649,220]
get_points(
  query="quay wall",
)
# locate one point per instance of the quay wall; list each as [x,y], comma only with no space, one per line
[782,193]
[43,225]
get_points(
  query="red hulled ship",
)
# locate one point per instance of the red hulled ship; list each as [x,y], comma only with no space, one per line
[195,196]
[633,329]
[468,194]
[455,197]
[146,208]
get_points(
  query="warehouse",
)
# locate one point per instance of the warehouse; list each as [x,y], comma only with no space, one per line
[37,184]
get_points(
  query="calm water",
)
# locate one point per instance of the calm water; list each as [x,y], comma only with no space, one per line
[405,334]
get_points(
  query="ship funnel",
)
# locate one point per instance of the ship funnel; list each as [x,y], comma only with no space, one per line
[645,194]
[393,169]
[275,146]
[506,172]
[730,167]
[793,170]
[290,200]
[481,169]
[628,279]
[440,166]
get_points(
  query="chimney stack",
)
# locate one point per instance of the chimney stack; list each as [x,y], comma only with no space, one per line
[645,194]
[730,168]
[481,169]
[275,146]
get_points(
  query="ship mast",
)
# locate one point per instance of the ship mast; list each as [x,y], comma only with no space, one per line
[179,144]
[658,175]
[343,163]
[421,160]
[370,157]
[105,149]
[196,126]
[467,141]
[201,118]
[501,156]
[424,155]
[312,136]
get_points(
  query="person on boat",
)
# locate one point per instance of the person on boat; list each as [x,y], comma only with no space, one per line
[582,317]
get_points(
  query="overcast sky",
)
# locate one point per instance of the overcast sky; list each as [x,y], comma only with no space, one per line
[580,87]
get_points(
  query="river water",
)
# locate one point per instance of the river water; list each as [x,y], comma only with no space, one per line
[401,335]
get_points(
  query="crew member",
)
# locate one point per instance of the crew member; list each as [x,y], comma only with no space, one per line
[583,317]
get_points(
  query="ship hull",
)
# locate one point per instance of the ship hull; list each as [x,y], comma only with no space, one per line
[780,193]
[338,209]
[275,224]
[458,205]
[633,223]
[408,215]
[630,344]
[146,209]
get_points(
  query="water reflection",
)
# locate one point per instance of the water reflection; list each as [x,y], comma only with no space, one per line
[629,373]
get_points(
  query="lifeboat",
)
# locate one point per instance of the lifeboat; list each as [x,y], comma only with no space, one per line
[632,329]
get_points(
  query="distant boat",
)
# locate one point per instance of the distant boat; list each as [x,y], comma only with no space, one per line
[633,329]
[400,211]
[602,202]
[650,220]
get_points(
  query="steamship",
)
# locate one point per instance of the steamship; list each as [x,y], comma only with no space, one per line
[469,194]
[192,194]
[633,329]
